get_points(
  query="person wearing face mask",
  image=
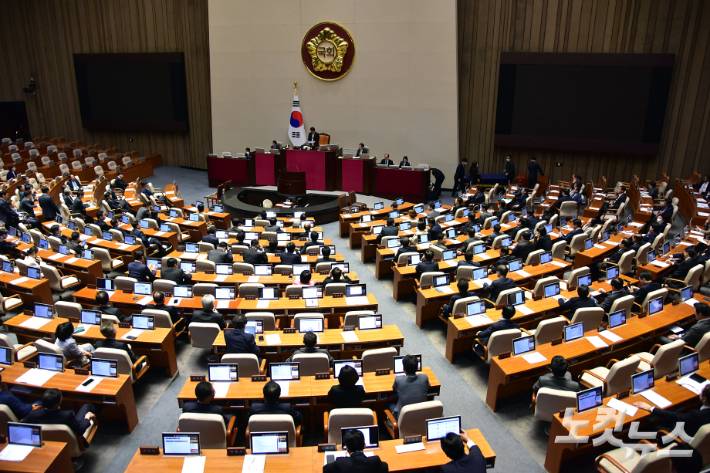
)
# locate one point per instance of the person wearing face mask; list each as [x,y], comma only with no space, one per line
[509,169]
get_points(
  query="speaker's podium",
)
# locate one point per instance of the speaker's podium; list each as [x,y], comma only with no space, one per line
[292,182]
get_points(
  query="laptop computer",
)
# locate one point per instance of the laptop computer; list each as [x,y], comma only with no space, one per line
[686,293]
[181,444]
[34,273]
[284,372]
[585,280]
[310,325]
[182,291]
[223,372]
[589,399]
[270,293]
[339,364]
[352,290]
[143,322]
[440,281]
[612,272]
[268,443]
[369,322]
[224,293]
[515,265]
[399,366]
[6,355]
[479,248]
[475,308]
[312,292]
[51,362]
[688,365]
[617,318]
[371,433]
[188,266]
[574,332]
[552,290]
[413,260]
[254,327]
[655,305]
[92,317]
[263,269]
[224,269]
[29,435]
[299,268]
[642,381]
[43,310]
[516,298]
[104,368]
[545,257]
[142,288]
[438,428]
[523,345]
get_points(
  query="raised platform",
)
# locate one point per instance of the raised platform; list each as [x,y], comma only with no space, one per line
[247,203]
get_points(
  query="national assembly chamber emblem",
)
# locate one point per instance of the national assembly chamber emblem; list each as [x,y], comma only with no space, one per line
[328,51]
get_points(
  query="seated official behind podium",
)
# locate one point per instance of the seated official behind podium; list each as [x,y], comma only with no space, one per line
[405,162]
[207,314]
[275,145]
[452,446]
[272,393]
[386,160]
[362,150]
[314,138]
[204,392]
[173,273]
[356,461]
[309,340]
[347,394]
[52,414]
[290,256]
[505,323]
[560,378]
[239,341]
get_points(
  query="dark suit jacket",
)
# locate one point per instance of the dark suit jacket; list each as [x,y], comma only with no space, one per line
[562,200]
[77,207]
[492,237]
[502,324]
[272,228]
[211,239]
[667,213]
[572,234]
[650,237]
[553,382]
[653,193]
[357,463]
[680,270]
[643,291]
[619,200]
[219,256]
[693,419]
[362,151]
[611,297]
[575,303]
[498,286]
[450,306]
[325,260]
[117,345]
[107,309]
[388,162]
[196,407]
[279,408]
[57,417]
[523,249]
[240,342]
[474,462]
[533,170]
[425,267]
[206,317]
[21,409]
[167,308]
[290,258]
[118,182]
[543,243]
[344,397]
[138,270]
[315,138]
[49,208]
[692,336]
[7,216]
[460,172]
[433,232]
[305,248]
[76,247]
[27,206]
[404,249]
[102,225]
[176,274]
[387,231]
[509,169]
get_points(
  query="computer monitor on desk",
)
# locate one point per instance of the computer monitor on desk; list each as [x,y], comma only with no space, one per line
[589,399]
[181,444]
[269,443]
[523,345]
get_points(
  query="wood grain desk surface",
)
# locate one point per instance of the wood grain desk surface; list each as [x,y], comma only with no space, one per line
[331,336]
[41,460]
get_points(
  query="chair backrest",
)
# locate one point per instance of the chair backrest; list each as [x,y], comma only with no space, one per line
[268,318]
[558,250]
[6,415]
[351,417]
[306,315]
[121,356]
[539,289]
[619,377]
[460,305]
[626,262]
[116,235]
[250,289]
[501,341]
[548,330]
[413,417]
[213,432]
[427,279]
[703,348]
[351,317]
[701,443]
[312,363]
[124,282]
[378,358]
[202,334]
[549,402]
[43,346]
[293,290]
[666,359]
[626,303]
[240,268]
[575,274]
[164,285]
[248,363]
[274,423]
[62,433]
[465,272]
[203,288]
[577,243]
[591,317]
[533,257]
[335,288]
[568,208]
[693,277]
[503,295]
[652,295]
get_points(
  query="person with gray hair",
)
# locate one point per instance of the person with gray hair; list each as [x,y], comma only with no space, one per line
[208,315]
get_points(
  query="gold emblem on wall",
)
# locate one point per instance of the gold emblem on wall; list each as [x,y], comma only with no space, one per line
[328,51]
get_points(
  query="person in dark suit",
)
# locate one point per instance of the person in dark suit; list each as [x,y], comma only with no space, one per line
[137,268]
[7,215]
[356,461]
[471,224]
[636,242]
[452,446]
[151,243]
[468,259]
[389,230]
[576,230]
[495,234]
[275,144]
[108,330]
[68,199]
[361,149]
[48,206]
[692,336]
[239,341]
[8,248]
[336,276]
[313,138]
[509,170]
[479,197]
[27,204]
[272,393]
[505,323]
[159,304]
[207,314]
[595,269]
[21,409]
[222,254]
[559,379]
[77,207]
[653,190]
[52,414]
[105,307]
[273,227]
[499,285]
[693,419]
[462,286]
[617,291]
[308,244]
[542,240]
[211,238]
[524,247]
[118,182]
[204,392]
[564,197]
[518,203]
[472,238]
[101,222]
[142,213]
[326,256]
[681,269]
[386,160]
[173,273]
[427,264]
[533,170]
[434,229]
[459,183]
[648,285]
[75,244]
[410,388]
[620,199]
[11,174]
[580,301]
[504,259]
[309,347]
[247,153]
[290,256]
[666,211]
[435,189]
[404,162]
[346,394]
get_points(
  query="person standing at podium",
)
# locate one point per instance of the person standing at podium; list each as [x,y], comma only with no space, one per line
[362,150]
[313,137]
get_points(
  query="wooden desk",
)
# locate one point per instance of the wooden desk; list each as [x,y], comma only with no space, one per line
[221,220]
[30,291]
[169,238]
[53,457]
[357,230]
[347,218]
[559,453]
[513,375]
[158,344]
[237,280]
[331,339]
[196,230]
[115,395]
[116,249]
[171,192]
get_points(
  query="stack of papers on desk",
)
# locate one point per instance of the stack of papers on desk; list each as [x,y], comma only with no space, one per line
[558,263]
[611,336]
[223,304]
[523,309]
[357,300]
[272,339]
[262,304]
[253,279]
[621,406]
[56,256]
[636,224]
[87,389]
[452,262]
[601,247]
[36,377]
[478,320]
[71,260]
[444,290]
[660,264]
[483,256]
[35,322]
[202,257]
[656,398]
[597,342]
[692,302]
[220,278]
[522,273]
[221,389]
[15,453]
[694,386]
[350,337]
[19,280]
[197,464]
[145,300]
[482,281]
[123,246]
[412,447]
[534,357]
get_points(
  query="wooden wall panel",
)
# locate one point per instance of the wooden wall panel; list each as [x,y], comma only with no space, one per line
[40,38]
[680,27]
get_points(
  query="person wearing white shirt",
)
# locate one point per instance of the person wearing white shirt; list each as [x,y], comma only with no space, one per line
[705,185]
[32,259]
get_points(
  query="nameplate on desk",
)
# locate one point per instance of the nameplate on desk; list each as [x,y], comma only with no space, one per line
[209,272]
[236,451]
[401,265]
[642,315]
[278,255]
[460,315]
[29,364]
[324,272]
[91,286]
[294,297]
[425,287]
[556,341]
[675,302]
[337,296]
[74,320]
[382,372]
[322,375]
[250,298]
[81,371]
[327,447]
[247,273]
[504,355]
[286,274]
[290,330]
[28,312]
[124,325]
[312,254]
[258,377]
[412,439]
[127,291]
[348,328]
[197,378]
[303,239]
[150,450]
[622,394]
[437,260]
[672,376]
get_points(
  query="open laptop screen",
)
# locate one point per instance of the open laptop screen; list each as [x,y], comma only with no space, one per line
[655,305]
[268,443]
[339,364]
[523,345]
[369,322]
[399,366]
[284,372]
[437,429]
[181,443]
[6,355]
[51,362]
[143,322]
[589,399]
[617,318]
[574,332]
[43,310]
[371,433]
[24,434]
[310,325]
[223,372]
[254,327]
[104,368]
[688,364]
[642,381]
